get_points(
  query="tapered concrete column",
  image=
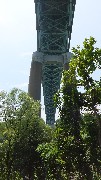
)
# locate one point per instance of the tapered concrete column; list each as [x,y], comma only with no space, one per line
[34,88]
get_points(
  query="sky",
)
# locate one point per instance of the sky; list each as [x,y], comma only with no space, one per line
[18,37]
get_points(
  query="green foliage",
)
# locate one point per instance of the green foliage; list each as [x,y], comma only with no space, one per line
[76,145]
[22,131]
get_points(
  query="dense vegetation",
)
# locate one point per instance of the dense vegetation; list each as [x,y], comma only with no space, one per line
[29,149]
[21,132]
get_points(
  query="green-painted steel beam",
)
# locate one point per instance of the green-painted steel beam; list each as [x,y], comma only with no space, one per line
[51,76]
[54,20]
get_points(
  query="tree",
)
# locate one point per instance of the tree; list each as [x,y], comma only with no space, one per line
[84,62]
[23,131]
[77,138]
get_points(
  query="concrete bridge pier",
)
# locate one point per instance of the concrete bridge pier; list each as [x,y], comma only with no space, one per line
[34,87]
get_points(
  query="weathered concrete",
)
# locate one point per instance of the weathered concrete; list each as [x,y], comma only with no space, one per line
[34,88]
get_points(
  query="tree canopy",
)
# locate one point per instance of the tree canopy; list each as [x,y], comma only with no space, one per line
[22,132]
[76,146]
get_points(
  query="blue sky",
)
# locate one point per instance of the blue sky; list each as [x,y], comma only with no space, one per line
[18,37]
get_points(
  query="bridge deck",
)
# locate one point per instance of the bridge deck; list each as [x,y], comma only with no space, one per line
[54,19]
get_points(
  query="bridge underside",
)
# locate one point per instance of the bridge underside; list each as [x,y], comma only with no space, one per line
[54,20]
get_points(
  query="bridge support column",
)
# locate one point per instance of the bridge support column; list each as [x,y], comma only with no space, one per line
[51,77]
[34,88]
[48,70]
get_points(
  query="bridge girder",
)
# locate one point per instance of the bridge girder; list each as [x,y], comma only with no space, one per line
[54,20]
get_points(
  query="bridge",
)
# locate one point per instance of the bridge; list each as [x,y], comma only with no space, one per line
[54,20]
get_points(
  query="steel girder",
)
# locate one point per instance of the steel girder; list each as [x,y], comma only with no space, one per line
[54,20]
[51,77]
